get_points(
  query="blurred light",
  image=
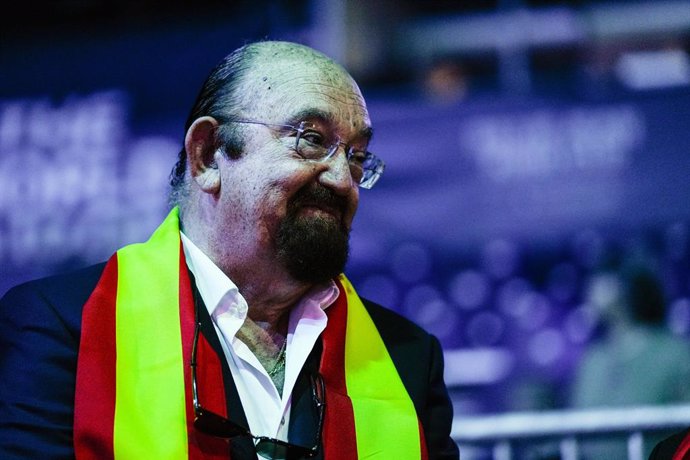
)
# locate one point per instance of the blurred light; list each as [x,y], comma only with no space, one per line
[580,324]
[479,366]
[630,19]
[679,316]
[417,297]
[380,288]
[466,404]
[531,310]
[446,83]
[469,289]
[500,258]
[367,246]
[604,292]
[144,185]
[510,293]
[563,282]
[588,248]
[491,31]
[676,241]
[654,69]
[546,347]
[541,143]
[485,329]
[411,262]
[439,319]
[59,160]
[425,306]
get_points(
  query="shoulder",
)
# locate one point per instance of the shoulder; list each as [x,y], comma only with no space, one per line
[416,353]
[70,283]
[418,358]
[60,295]
[40,325]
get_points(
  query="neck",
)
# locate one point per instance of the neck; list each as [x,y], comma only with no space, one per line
[269,345]
[269,290]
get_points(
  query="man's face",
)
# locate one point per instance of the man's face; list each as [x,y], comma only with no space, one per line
[295,212]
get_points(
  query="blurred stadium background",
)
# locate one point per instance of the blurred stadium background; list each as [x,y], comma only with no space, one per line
[527,143]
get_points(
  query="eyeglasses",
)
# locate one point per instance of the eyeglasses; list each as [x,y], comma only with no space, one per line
[365,167]
[221,427]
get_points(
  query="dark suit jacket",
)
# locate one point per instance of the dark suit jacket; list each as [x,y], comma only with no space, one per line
[40,325]
[665,449]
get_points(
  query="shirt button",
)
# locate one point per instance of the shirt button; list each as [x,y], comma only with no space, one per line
[282,421]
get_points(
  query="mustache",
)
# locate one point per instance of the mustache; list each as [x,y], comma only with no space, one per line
[318,196]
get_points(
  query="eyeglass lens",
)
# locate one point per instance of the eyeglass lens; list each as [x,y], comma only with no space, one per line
[365,167]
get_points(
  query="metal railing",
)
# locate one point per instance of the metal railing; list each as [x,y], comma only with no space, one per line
[568,428]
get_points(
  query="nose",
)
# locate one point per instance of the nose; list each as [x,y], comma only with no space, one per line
[336,174]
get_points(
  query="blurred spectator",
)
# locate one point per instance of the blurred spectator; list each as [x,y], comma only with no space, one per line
[637,361]
[446,82]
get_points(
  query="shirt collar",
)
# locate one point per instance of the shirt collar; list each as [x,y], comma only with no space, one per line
[214,286]
[219,292]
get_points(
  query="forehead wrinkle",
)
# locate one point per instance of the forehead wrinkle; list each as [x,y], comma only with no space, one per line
[338,101]
[329,77]
[288,79]
[348,98]
[337,105]
[297,74]
[319,77]
[313,113]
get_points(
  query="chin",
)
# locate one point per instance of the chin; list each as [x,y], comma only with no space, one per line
[313,250]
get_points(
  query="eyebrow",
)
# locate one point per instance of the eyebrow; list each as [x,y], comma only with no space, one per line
[328,117]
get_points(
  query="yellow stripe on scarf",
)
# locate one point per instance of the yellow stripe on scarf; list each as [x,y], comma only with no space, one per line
[386,423]
[150,390]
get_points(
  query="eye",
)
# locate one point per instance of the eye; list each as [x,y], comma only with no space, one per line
[357,157]
[311,144]
[313,137]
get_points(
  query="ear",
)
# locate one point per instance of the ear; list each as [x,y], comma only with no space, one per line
[200,144]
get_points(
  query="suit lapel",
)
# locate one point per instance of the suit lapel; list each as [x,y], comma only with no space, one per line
[241,448]
[303,414]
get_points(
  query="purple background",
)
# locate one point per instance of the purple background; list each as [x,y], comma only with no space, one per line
[514,166]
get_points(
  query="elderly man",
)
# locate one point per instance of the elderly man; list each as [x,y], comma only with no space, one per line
[232,333]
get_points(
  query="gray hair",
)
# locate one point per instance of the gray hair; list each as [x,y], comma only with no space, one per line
[218,98]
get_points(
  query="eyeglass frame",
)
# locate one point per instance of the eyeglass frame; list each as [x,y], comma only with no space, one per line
[201,413]
[370,175]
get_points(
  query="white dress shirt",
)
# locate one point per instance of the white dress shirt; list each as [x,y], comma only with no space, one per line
[267,412]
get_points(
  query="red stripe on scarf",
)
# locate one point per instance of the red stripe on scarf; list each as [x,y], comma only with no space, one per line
[422,442]
[94,404]
[209,375]
[683,452]
[339,436]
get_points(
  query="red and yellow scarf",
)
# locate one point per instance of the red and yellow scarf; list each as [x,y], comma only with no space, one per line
[133,397]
